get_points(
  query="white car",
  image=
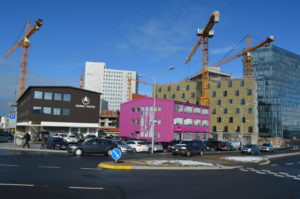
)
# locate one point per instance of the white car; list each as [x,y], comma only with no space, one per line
[71,139]
[138,146]
[158,147]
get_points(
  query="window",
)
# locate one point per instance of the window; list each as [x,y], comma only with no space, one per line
[219,102]
[214,111]
[238,129]
[173,96]
[242,83]
[237,93]
[188,109]
[169,88]
[225,111]
[192,95]
[67,97]
[225,129]
[157,121]
[132,121]
[138,109]
[38,94]
[159,89]
[230,119]
[219,119]
[178,108]
[249,110]
[187,121]
[214,128]
[237,110]
[137,121]
[66,111]
[48,96]
[243,102]
[132,109]
[47,110]
[187,87]
[218,84]
[37,110]
[196,122]
[165,96]
[250,129]
[157,135]
[197,110]
[205,111]
[249,92]
[187,136]
[224,93]
[229,84]
[177,87]
[243,119]
[204,122]
[178,121]
[57,96]
[196,136]
[214,94]
[182,95]
[56,111]
[158,108]
[230,101]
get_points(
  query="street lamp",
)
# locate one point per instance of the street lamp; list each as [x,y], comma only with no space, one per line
[154,104]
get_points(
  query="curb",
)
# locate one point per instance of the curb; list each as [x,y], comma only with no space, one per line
[108,166]
[219,167]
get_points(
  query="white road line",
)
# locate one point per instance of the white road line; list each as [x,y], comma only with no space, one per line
[265,170]
[290,176]
[270,172]
[297,178]
[289,164]
[48,167]
[283,173]
[259,172]
[279,176]
[8,165]
[91,168]
[20,185]
[274,165]
[244,170]
[91,188]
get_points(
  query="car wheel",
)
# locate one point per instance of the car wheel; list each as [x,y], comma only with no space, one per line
[201,153]
[78,152]
[188,153]
[133,150]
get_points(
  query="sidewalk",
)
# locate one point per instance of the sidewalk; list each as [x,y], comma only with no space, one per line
[33,147]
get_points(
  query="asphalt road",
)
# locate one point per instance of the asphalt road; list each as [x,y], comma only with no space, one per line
[43,176]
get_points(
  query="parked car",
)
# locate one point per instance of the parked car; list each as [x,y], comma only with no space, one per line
[169,145]
[158,147]
[251,149]
[236,145]
[267,148]
[60,135]
[56,143]
[209,146]
[93,146]
[125,148]
[40,134]
[6,137]
[90,136]
[219,145]
[138,146]
[71,138]
[189,147]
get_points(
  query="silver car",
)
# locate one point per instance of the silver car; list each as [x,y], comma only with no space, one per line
[125,148]
[267,148]
[251,149]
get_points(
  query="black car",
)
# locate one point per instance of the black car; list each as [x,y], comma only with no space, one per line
[189,147]
[56,143]
[169,145]
[6,137]
[219,145]
[96,146]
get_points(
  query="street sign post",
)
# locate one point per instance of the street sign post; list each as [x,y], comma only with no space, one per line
[116,154]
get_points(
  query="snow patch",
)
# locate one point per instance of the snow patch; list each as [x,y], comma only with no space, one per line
[181,162]
[245,159]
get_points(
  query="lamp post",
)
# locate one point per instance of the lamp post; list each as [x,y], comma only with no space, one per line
[154,104]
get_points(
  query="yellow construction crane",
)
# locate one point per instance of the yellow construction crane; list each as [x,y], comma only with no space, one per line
[129,80]
[81,81]
[246,53]
[24,42]
[204,34]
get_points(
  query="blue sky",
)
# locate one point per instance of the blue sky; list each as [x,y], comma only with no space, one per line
[146,36]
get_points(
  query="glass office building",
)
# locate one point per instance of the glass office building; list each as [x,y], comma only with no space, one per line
[277,72]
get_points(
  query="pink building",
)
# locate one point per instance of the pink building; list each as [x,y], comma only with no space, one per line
[173,120]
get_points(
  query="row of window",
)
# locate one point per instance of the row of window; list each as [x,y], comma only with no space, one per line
[52,96]
[138,109]
[237,130]
[237,111]
[50,111]
[230,119]
[236,93]
[190,109]
[137,121]
[190,122]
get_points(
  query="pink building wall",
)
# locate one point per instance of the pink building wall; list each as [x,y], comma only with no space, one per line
[166,116]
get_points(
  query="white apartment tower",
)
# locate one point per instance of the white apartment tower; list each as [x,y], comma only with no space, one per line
[113,84]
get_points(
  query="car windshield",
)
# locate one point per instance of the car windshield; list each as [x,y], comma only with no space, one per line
[184,142]
[119,142]
[142,143]
[55,139]
[249,145]
[266,144]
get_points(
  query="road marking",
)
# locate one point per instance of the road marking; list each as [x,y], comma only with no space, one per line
[298,162]
[265,170]
[91,188]
[91,168]
[20,185]
[244,170]
[48,167]
[259,172]
[283,173]
[8,165]
[274,165]
[290,176]
[270,172]
[296,178]
[279,176]
[289,164]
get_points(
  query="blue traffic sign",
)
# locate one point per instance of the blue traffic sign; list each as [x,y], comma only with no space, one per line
[12,116]
[116,154]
